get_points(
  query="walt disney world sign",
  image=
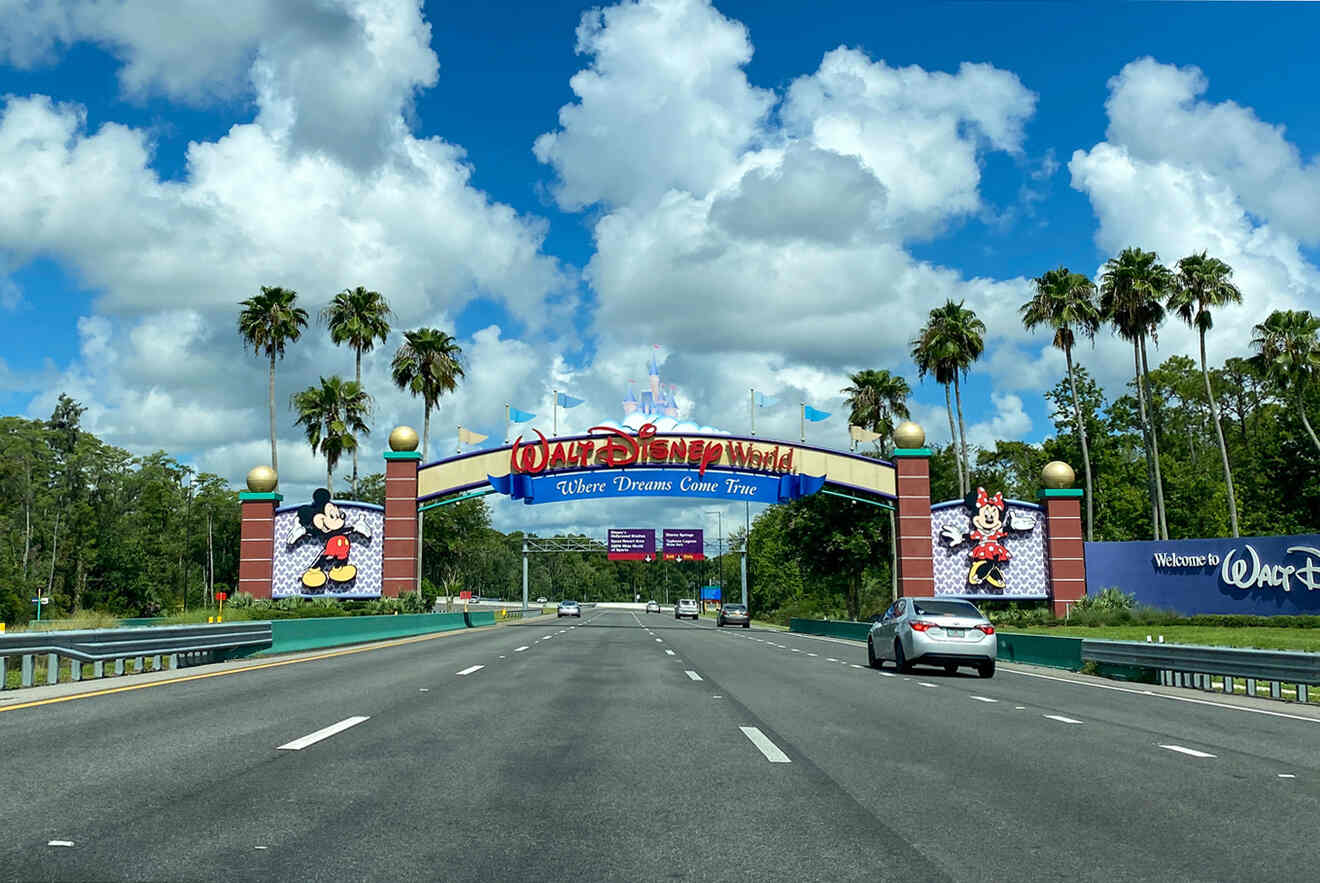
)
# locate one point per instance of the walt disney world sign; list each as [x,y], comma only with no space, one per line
[621,465]
[610,462]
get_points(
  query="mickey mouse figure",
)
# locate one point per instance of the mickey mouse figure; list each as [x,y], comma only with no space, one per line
[988,528]
[324,520]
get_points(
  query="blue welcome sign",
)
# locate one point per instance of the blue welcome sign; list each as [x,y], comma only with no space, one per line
[602,484]
[1253,575]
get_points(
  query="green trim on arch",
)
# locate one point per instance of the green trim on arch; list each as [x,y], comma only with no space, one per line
[403,455]
[912,452]
[254,497]
[1060,492]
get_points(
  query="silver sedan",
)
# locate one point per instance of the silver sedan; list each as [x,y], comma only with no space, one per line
[933,631]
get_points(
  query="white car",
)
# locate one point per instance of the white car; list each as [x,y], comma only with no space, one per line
[570,608]
[652,606]
[540,600]
[686,607]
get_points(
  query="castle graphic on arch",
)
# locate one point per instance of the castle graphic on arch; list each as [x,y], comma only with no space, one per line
[655,401]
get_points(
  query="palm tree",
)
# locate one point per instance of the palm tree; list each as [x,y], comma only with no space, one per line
[1132,290]
[1287,348]
[333,415]
[267,323]
[874,399]
[1065,302]
[928,356]
[1204,282]
[427,364]
[359,318]
[954,338]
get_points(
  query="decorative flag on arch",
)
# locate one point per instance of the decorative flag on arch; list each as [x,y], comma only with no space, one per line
[564,400]
[468,437]
[861,434]
[518,416]
[813,415]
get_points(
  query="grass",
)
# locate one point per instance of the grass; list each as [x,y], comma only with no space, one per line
[14,673]
[1256,637]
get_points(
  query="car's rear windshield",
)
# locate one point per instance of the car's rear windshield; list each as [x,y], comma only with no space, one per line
[569,603]
[945,608]
[734,608]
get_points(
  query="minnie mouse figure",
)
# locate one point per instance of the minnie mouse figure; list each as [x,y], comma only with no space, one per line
[989,526]
[324,520]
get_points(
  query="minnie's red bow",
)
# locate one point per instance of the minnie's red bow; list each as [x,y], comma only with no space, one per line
[982,499]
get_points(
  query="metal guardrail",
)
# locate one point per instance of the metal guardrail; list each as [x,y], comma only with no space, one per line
[178,645]
[1190,665]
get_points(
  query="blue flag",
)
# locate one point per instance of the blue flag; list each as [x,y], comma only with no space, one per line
[519,416]
[568,401]
[765,401]
[813,415]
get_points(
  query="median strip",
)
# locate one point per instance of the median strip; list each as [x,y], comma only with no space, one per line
[324,733]
[766,747]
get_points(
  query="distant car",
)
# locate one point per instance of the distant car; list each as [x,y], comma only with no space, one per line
[733,614]
[686,607]
[540,600]
[570,608]
[652,606]
[933,631]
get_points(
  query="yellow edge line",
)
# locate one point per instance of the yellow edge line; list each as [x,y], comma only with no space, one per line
[234,671]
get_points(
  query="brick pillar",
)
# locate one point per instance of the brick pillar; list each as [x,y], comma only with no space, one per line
[1066,555]
[256,545]
[399,567]
[916,566]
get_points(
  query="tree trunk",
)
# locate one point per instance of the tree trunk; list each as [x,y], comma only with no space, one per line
[962,438]
[1086,453]
[27,523]
[1145,436]
[426,431]
[1301,409]
[274,457]
[357,375]
[210,561]
[329,477]
[953,442]
[1154,442]
[1223,448]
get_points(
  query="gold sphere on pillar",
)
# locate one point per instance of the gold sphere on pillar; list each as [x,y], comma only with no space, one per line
[262,480]
[1057,475]
[909,435]
[404,438]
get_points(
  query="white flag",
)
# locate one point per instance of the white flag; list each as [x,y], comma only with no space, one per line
[468,437]
[861,434]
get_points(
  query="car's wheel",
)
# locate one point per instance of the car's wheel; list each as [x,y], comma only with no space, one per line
[900,659]
[986,669]
[950,669]
[747,625]
[871,659]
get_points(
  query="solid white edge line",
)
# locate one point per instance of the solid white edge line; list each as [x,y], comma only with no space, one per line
[693,675]
[766,747]
[1194,701]
[888,674]
[1188,751]
[927,684]
[323,733]
[1061,719]
[469,670]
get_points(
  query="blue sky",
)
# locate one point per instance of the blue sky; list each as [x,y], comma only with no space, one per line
[1212,166]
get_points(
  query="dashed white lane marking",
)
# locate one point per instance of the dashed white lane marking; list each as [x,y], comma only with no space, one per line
[984,699]
[762,742]
[1189,751]
[323,733]
[1286,776]
[813,654]
[888,674]
[831,659]
[693,675]
[1061,719]
[669,652]
[1020,707]
[854,665]
[469,670]
[927,684]
[423,689]
[261,847]
[60,843]
[520,649]
[501,657]
[659,640]
[796,650]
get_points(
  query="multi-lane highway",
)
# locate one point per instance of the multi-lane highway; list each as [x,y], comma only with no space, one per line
[634,747]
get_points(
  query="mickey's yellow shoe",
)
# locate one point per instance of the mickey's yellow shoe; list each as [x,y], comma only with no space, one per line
[995,578]
[343,573]
[314,578]
[974,577]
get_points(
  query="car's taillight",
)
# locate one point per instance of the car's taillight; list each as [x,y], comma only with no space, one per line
[988,629]
[920,626]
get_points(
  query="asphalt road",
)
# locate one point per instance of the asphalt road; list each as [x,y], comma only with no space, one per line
[634,747]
